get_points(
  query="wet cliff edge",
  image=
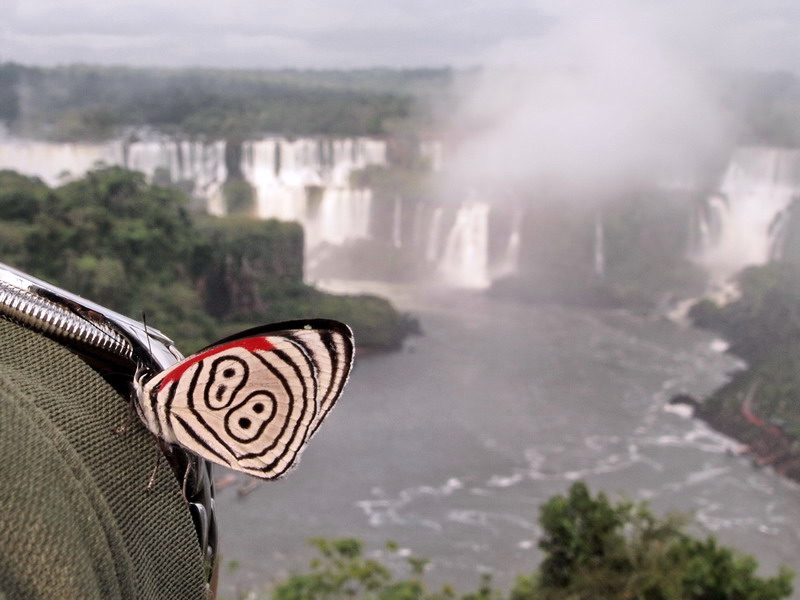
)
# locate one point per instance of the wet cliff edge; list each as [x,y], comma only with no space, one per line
[733,411]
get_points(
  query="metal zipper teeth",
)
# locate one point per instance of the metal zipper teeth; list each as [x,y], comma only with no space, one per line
[53,320]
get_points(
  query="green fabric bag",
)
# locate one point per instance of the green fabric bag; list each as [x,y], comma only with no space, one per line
[76,518]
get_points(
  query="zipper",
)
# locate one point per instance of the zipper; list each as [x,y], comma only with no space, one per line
[56,321]
[112,343]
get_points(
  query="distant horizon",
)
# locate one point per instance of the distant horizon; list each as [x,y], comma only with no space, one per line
[400,35]
[155,67]
[375,69]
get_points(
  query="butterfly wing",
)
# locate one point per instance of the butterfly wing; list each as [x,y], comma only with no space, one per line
[253,400]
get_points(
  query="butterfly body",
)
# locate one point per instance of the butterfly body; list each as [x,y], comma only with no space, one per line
[252,401]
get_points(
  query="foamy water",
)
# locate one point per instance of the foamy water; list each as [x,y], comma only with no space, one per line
[451,446]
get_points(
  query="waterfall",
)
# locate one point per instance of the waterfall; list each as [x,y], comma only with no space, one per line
[599,247]
[433,152]
[777,234]
[305,180]
[200,164]
[269,166]
[178,161]
[55,163]
[738,227]
[711,222]
[434,235]
[309,161]
[343,215]
[349,154]
[397,223]
[508,263]
[417,234]
[466,254]
[288,174]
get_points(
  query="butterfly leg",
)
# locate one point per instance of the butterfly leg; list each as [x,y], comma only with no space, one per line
[152,480]
[129,423]
[248,487]
[124,428]
[226,481]
[186,475]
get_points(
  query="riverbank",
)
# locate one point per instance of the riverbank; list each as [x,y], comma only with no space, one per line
[734,410]
[138,248]
[450,446]
[758,406]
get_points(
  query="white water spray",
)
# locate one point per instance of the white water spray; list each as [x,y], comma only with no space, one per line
[397,223]
[434,235]
[741,224]
[466,255]
[287,174]
[599,247]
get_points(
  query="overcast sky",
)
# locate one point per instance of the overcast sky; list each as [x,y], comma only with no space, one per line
[763,34]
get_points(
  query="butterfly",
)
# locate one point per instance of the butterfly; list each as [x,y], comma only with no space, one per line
[251,401]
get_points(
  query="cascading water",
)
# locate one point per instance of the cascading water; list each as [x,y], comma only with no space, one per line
[181,161]
[343,215]
[418,233]
[433,152]
[508,263]
[465,262]
[200,164]
[54,162]
[307,180]
[280,193]
[288,174]
[599,247]
[434,236]
[777,233]
[740,225]
[397,223]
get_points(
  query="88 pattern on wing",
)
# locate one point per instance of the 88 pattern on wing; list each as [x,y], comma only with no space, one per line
[252,401]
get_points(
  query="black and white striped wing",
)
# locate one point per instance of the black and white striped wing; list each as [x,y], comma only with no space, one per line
[252,401]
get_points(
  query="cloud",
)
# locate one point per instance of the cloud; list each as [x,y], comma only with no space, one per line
[602,98]
[351,33]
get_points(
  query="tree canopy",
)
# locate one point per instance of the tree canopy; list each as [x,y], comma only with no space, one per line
[763,327]
[90,103]
[112,237]
[594,549]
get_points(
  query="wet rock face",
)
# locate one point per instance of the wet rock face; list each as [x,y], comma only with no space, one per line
[684,399]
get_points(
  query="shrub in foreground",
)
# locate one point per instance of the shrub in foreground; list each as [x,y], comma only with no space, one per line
[594,549]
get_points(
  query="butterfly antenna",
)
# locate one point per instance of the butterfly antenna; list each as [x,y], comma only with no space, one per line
[129,422]
[139,367]
[152,480]
[144,322]
[186,474]
[248,487]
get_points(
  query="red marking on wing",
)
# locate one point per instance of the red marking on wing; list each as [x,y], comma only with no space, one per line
[251,344]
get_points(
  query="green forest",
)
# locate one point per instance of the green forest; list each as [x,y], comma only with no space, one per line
[763,328]
[136,248]
[93,103]
[82,102]
[594,549]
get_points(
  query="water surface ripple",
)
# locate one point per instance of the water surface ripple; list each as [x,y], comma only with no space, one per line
[450,446]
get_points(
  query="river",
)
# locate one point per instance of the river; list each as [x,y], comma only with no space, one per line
[449,446]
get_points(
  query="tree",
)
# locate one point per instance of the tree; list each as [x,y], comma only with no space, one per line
[597,550]
[342,573]
[114,238]
[132,246]
[594,550]
[581,533]
[765,317]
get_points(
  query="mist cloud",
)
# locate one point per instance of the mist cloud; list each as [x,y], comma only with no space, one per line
[350,33]
[601,100]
